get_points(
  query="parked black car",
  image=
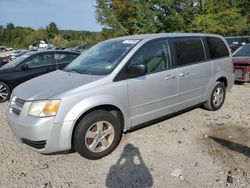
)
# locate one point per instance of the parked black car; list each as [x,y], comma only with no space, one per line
[81,48]
[17,53]
[30,65]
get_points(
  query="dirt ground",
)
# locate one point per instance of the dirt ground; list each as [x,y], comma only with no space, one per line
[195,149]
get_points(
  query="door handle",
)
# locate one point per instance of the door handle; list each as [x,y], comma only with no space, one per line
[170,77]
[183,74]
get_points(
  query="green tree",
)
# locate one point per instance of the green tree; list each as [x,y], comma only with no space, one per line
[52,30]
[226,17]
[244,7]
[128,17]
[174,16]
[10,26]
[59,41]
[222,17]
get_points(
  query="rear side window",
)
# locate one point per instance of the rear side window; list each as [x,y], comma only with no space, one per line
[189,50]
[40,60]
[217,47]
[65,57]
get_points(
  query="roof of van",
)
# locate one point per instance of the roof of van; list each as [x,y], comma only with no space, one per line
[158,35]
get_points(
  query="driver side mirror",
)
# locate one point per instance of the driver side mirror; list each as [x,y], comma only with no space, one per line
[24,66]
[137,70]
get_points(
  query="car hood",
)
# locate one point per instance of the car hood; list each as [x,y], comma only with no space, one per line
[52,84]
[2,70]
[241,60]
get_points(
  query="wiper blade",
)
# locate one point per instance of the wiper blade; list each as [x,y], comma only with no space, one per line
[77,71]
[72,70]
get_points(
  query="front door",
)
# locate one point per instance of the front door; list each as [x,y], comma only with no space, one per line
[153,95]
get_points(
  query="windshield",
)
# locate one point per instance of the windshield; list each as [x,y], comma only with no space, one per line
[102,58]
[15,62]
[242,51]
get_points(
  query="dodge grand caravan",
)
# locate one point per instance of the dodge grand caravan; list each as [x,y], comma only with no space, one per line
[116,85]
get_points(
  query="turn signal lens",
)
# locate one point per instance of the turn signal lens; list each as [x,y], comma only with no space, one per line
[44,108]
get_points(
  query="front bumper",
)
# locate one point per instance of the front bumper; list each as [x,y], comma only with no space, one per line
[40,134]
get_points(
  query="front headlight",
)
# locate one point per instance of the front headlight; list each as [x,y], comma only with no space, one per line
[44,108]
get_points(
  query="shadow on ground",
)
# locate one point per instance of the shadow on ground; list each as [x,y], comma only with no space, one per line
[130,170]
[228,145]
[245,150]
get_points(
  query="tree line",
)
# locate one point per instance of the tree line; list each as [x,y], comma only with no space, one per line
[22,37]
[225,17]
[119,17]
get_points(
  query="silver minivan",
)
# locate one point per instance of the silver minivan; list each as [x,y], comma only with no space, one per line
[116,85]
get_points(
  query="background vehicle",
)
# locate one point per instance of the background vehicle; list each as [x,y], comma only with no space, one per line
[81,48]
[9,57]
[30,65]
[3,48]
[1,60]
[241,59]
[6,60]
[17,53]
[116,85]
[237,41]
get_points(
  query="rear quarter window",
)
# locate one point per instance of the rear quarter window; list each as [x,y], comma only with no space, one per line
[217,47]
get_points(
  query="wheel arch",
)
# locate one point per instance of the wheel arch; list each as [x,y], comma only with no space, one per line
[114,110]
[223,80]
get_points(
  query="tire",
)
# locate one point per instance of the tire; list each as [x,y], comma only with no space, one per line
[217,98]
[97,135]
[4,92]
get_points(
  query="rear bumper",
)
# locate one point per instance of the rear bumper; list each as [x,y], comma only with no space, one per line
[242,73]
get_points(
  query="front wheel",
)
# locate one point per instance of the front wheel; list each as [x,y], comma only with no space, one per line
[97,135]
[217,97]
[4,92]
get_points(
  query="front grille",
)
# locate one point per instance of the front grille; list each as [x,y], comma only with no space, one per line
[17,105]
[16,111]
[35,144]
[19,102]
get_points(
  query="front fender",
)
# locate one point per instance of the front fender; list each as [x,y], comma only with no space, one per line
[91,102]
[83,106]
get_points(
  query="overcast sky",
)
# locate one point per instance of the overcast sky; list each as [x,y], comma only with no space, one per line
[67,14]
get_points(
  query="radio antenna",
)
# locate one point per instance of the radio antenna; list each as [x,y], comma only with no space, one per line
[119,23]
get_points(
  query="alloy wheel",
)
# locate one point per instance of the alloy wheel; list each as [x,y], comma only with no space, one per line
[99,136]
[218,96]
[4,93]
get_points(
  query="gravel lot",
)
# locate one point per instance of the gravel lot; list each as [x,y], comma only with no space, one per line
[195,149]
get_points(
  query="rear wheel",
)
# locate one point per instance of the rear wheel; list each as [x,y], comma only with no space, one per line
[217,97]
[97,135]
[4,92]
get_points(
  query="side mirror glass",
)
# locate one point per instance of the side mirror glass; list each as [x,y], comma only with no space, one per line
[137,70]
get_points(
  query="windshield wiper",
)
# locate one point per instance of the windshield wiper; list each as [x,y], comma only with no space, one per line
[72,70]
[77,71]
